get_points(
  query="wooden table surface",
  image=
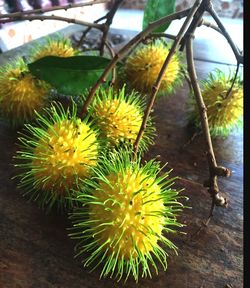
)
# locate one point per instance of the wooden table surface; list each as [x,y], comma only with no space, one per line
[35,251]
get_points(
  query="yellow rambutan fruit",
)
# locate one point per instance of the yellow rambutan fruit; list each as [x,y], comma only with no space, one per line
[61,47]
[224,110]
[56,156]
[119,117]
[124,216]
[142,68]
[21,93]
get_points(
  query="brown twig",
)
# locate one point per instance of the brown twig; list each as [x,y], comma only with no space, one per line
[112,54]
[197,19]
[53,8]
[162,71]
[110,49]
[210,25]
[236,51]
[105,28]
[187,78]
[53,17]
[126,48]
[110,15]
[214,169]
[86,31]
[234,80]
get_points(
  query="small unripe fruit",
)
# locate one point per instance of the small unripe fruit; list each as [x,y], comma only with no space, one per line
[119,117]
[21,94]
[61,47]
[124,217]
[224,108]
[56,156]
[142,68]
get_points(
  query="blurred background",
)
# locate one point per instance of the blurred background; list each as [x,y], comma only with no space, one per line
[225,8]
[129,17]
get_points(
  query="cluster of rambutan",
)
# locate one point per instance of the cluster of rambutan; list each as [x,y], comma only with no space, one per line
[121,209]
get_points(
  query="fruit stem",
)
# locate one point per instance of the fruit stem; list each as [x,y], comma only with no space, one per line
[214,169]
[233,82]
[157,84]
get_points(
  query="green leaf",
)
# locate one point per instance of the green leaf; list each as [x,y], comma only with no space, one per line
[71,75]
[156,9]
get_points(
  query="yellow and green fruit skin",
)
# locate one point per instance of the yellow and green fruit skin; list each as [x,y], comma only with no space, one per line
[56,155]
[21,94]
[142,68]
[131,217]
[224,110]
[125,216]
[65,155]
[118,120]
[61,47]
[119,116]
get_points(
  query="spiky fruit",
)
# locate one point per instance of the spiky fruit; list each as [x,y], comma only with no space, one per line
[61,47]
[142,68]
[124,216]
[56,155]
[119,117]
[20,93]
[224,110]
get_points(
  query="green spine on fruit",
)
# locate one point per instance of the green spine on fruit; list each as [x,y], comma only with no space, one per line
[142,68]
[125,216]
[58,46]
[224,111]
[55,156]
[21,93]
[119,117]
